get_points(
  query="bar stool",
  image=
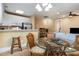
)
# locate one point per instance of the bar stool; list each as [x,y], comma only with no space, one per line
[16,43]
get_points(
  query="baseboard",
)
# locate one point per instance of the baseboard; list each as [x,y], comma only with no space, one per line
[8,48]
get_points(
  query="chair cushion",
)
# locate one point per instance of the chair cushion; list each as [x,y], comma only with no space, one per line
[69,49]
[37,49]
[50,36]
[42,41]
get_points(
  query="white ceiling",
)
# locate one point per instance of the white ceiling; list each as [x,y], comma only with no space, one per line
[29,9]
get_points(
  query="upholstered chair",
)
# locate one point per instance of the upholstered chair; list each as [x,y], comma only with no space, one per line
[52,47]
[50,36]
[34,49]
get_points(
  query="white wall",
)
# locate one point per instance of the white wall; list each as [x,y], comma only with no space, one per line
[33,22]
[67,23]
[1,11]
[41,22]
[57,25]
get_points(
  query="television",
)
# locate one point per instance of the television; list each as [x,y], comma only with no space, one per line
[74,30]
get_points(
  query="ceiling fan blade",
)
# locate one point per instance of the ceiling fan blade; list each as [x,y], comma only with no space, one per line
[70,14]
[75,15]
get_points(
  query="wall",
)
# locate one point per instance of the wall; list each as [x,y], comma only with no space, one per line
[33,22]
[57,25]
[67,23]
[1,12]
[40,22]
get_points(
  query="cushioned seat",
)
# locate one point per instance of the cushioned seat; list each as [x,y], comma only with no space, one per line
[34,49]
[37,49]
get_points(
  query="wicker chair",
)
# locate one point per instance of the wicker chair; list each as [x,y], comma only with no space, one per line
[53,49]
[34,49]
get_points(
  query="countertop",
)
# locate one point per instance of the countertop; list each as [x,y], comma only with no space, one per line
[27,30]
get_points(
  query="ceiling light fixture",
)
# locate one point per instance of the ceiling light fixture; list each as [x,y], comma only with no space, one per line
[44,6]
[19,11]
[48,7]
[38,7]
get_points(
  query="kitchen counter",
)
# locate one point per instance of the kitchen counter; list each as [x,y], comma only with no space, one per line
[27,30]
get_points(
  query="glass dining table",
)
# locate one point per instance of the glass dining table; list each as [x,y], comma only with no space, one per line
[53,48]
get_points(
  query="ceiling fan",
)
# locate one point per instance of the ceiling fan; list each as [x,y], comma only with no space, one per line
[72,14]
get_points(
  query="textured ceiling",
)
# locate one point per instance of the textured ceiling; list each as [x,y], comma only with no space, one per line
[29,9]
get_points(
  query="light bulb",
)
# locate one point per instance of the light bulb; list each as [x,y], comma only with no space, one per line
[44,4]
[49,5]
[46,9]
[38,7]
